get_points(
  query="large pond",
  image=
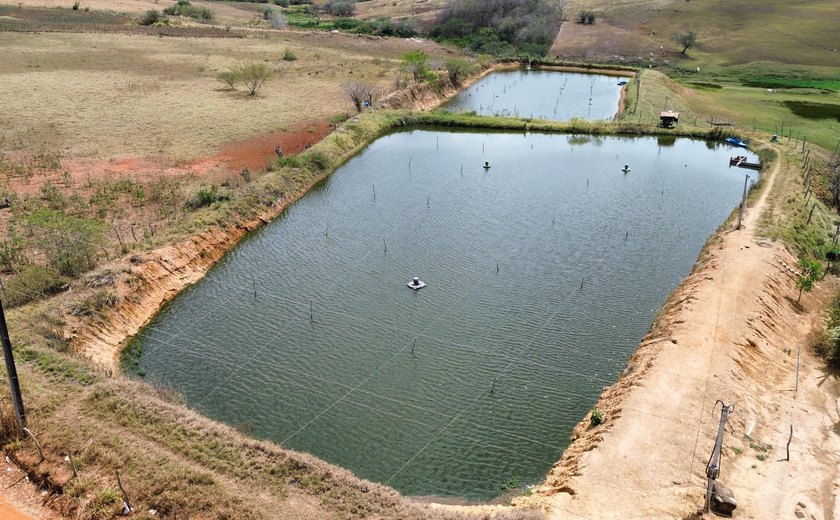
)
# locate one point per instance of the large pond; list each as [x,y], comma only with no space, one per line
[542,94]
[544,272]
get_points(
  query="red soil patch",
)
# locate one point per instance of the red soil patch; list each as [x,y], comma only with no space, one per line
[253,153]
[256,152]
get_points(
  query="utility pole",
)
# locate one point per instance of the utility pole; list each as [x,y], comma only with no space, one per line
[743,202]
[11,371]
[713,469]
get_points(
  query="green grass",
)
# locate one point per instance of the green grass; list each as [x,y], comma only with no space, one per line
[809,110]
[298,17]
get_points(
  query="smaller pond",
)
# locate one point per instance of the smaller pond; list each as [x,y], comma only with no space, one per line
[542,94]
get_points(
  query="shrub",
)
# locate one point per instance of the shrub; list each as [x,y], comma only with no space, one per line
[277,20]
[501,27]
[229,78]
[597,417]
[458,68]
[150,17]
[416,64]
[185,8]
[586,17]
[76,6]
[70,244]
[382,26]
[52,196]
[93,303]
[206,197]
[33,282]
[406,28]
[253,75]
[12,254]
[288,55]
[282,3]
[339,7]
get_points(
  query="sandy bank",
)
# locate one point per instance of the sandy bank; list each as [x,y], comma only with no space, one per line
[730,332]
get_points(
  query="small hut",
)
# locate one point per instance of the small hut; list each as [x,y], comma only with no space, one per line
[669,118]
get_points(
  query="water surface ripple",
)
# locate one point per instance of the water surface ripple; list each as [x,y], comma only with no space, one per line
[586,256]
[541,94]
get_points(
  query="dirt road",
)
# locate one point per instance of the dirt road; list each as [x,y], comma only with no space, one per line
[731,333]
[7,512]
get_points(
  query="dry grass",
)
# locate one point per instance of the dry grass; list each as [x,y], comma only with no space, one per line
[105,96]
[733,32]
[425,10]
[225,13]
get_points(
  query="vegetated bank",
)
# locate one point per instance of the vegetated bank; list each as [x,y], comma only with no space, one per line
[67,392]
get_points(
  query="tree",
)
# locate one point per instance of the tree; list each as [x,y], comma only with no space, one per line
[687,40]
[339,7]
[458,68]
[416,64]
[253,75]
[810,272]
[358,93]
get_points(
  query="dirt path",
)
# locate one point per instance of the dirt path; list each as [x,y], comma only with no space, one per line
[19,499]
[730,333]
[7,512]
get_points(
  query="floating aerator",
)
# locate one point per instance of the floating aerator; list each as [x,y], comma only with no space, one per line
[416,284]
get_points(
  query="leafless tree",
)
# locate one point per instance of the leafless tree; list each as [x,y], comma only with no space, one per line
[358,93]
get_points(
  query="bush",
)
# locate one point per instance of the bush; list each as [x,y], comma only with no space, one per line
[406,28]
[229,78]
[185,8]
[12,254]
[339,7]
[458,68]
[282,3]
[382,26]
[597,417]
[93,303]
[500,27]
[253,75]
[206,197]
[288,55]
[70,244]
[586,17]
[33,282]
[150,17]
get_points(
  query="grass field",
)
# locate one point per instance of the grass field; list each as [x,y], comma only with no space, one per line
[747,48]
[106,96]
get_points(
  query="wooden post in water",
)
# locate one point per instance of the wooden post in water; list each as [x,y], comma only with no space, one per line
[743,202]
[311,313]
[374,185]
[385,244]
[413,344]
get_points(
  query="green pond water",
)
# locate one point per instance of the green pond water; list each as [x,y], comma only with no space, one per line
[544,272]
[542,94]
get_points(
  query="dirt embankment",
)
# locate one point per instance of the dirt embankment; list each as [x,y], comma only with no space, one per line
[732,332]
[149,279]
